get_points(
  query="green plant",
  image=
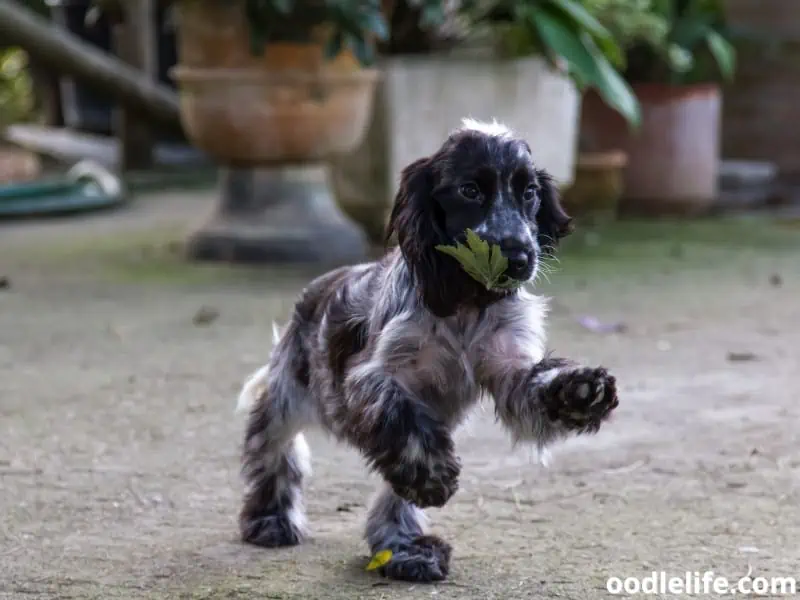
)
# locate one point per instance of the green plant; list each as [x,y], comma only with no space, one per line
[420,26]
[354,24]
[16,87]
[631,21]
[670,41]
[566,33]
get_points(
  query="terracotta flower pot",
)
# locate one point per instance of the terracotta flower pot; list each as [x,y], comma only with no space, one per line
[271,121]
[598,185]
[673,160]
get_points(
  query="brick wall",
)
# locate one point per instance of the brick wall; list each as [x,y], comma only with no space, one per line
[762,107]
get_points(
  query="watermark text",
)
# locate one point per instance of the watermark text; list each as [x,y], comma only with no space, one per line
[695,583]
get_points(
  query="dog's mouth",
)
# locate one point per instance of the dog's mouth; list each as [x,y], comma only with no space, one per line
[511,281]
[494,268]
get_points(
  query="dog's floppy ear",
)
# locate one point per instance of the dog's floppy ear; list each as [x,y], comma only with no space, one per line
[552,220]
[414,221]
[411,203]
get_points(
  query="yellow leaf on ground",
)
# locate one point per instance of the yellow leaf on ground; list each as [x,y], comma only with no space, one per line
[380,559]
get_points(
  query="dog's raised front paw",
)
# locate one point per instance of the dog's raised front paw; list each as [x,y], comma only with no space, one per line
[426,484]
[424,560]
[581,399]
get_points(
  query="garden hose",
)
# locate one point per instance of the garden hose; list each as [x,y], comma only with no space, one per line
[87,186]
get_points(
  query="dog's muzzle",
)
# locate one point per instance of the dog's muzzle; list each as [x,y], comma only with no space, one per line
[521,263]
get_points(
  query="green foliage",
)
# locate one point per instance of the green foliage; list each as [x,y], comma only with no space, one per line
[568,34]
[670,41]
[16,87]
[355,24]
[485,265]
[631,21]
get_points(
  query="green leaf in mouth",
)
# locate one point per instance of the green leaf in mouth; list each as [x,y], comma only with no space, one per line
[484,264]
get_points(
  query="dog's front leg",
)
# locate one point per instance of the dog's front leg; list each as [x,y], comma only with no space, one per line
[401,437]
[551,399]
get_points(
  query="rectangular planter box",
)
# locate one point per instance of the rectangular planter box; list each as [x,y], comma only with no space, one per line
[420,101]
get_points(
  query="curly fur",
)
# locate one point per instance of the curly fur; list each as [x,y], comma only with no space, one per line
[391,356]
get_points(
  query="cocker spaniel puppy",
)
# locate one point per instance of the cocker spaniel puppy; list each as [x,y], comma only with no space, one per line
[390,356]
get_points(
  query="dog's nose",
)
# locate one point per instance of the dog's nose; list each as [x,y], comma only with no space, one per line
[518,262]
[520,258]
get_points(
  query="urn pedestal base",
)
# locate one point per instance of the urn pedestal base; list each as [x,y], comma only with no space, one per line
[283,214]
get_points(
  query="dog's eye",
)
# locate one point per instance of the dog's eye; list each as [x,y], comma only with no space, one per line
[470,191]
[529,193]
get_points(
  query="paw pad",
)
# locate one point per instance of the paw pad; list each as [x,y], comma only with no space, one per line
[581,399]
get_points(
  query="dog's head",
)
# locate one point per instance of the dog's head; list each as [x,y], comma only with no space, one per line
[482,178]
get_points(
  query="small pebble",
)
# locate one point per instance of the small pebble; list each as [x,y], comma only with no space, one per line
[205,316]
[775,280]
[741,357]
[5,282]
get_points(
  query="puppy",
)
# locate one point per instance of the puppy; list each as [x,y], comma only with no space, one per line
[391,356]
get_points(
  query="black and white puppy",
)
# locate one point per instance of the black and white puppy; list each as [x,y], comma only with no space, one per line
[391,356]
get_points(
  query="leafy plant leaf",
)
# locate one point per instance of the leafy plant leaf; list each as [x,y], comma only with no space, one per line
[377,25]
[334,45]
[588,65]
[361,49]
[618,93]
[724,53]
[564,41]
[584,21]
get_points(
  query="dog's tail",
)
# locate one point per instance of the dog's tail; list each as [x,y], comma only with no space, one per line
[256,383]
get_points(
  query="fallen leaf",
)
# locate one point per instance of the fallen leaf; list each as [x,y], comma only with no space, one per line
[206,315]
[380,559]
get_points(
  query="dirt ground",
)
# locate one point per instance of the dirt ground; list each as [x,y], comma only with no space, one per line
[119,444]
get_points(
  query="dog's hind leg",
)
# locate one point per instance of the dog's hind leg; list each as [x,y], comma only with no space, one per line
[275,457]
[398,525]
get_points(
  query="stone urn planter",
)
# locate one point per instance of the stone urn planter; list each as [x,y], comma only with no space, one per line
[422,99]
[272,121]
[674,159]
